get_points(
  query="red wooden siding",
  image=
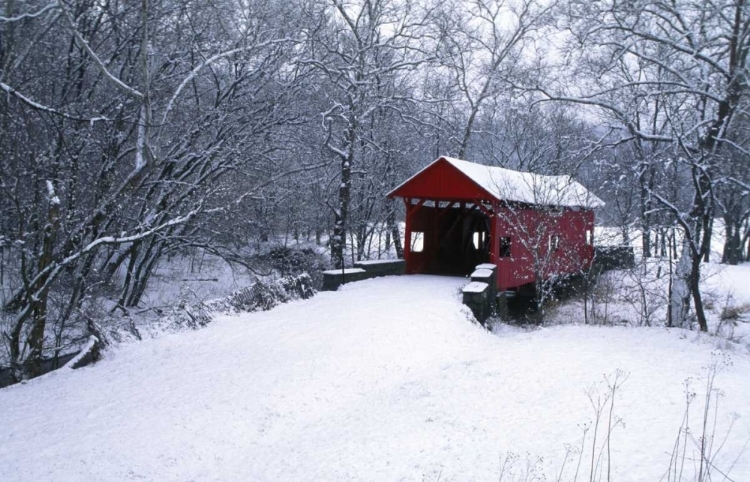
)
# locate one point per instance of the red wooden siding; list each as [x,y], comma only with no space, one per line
[441,181]
[526,227]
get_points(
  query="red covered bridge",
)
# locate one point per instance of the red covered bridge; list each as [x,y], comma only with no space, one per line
[460,214]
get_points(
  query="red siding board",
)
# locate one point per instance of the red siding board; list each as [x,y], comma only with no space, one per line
[443,181]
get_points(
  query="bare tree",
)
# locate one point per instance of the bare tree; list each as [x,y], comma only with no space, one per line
[128,153]
[486,41]
[682,66]
[363,48]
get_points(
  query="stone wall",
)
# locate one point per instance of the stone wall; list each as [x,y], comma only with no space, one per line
[613,257]
[362,270]
[480,295]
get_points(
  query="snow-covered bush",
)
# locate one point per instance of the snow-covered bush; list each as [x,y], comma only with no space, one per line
[294,261]
[644,290]
[260,296]
[732,312]
[602,298]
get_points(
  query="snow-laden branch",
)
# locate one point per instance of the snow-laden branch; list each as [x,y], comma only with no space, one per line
[53,199]
[30,15]
[681,218]
[36,105]
[668,42]
[742,184]
[208,62]
[267,183]
[103,68]
[47,276]
[603,105]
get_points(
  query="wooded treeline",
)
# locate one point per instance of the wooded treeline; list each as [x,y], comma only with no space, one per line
[134,130]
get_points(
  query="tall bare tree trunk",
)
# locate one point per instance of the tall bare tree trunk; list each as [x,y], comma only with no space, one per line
[39,295]
[393,230]
[679,295]
[707,234]
[341,214]
[732,254]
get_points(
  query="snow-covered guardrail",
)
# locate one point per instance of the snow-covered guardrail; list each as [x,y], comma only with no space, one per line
[88,355]
[362,270]
[481,292]
[382,267]
[334,278]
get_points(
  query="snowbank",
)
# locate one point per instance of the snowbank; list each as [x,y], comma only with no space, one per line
[383,380]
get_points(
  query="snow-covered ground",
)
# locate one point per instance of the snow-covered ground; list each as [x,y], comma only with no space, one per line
[386,379]
[732,281]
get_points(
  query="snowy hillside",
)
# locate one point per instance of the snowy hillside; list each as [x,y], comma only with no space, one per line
[386,379]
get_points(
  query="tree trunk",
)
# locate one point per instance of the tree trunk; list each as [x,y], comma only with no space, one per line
[695,277]
[338,241]
[645,212]
[144,272]
[38,297]
[625,234]
[707,233]
[679,295]
[663,245]
[732,254]
[646,240]
[127,282]
[393,229]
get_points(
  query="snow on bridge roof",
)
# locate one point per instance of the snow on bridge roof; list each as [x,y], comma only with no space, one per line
[525,187]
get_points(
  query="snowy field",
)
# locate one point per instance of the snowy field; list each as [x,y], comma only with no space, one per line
[386,379]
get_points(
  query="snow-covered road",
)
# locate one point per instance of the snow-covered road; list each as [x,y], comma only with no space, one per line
[383,380]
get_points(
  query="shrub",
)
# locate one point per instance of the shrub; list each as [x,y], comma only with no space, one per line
[734,312]
[260,296]
[289,261]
